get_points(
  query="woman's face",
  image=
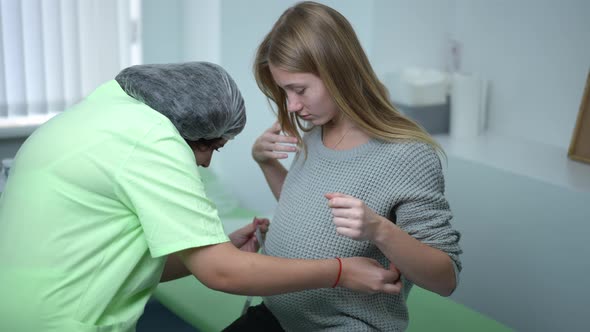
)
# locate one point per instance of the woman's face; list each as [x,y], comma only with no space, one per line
[307,96]
[203,150]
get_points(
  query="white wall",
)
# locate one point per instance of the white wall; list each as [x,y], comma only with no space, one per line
[525,259]
[410,33]
[201,23]
[162,31]
[535,52]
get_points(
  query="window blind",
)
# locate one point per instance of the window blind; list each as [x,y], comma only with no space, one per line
[55,52]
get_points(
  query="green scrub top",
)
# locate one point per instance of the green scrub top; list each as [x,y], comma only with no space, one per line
[96,199]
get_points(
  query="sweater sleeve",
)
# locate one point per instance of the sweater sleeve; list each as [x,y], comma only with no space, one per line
[424,212]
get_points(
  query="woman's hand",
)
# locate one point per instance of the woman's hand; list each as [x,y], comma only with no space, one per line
[366,275]
[245,237]
[353,218]
[273,145]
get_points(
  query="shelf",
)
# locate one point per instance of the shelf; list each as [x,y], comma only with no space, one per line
[536,160]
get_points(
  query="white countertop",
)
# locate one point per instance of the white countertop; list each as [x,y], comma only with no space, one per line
[540,161]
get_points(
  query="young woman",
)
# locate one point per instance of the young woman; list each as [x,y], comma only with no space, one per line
[367,181]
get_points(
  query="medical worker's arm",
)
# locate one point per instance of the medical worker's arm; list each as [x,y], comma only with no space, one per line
[266,151]
[174,269]
[225,268]
[243,239]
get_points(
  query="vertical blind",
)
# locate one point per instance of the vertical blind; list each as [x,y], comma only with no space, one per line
[55,52]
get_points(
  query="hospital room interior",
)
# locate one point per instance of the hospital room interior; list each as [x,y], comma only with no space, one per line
[503,86]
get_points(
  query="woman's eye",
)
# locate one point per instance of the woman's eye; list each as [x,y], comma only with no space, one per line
[300,92]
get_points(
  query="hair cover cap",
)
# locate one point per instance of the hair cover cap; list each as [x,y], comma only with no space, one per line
[199,98]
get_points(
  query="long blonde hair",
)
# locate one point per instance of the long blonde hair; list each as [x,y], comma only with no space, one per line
[313,38]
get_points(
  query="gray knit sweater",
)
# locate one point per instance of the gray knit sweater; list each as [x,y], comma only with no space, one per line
[402,181]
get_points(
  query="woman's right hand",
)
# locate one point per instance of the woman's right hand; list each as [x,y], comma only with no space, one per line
[273,145]
[366,275]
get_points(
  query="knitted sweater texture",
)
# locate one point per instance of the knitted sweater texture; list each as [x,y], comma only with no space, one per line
[401,181]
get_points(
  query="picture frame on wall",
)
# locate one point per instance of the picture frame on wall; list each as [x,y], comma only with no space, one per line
[580,145]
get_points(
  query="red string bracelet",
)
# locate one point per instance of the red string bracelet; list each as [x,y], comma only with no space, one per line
[339,272]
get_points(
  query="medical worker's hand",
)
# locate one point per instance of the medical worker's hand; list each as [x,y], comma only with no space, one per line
[245,238]
[353,218]
[272,144]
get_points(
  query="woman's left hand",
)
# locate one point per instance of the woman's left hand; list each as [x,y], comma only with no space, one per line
[245,237]
[352,217]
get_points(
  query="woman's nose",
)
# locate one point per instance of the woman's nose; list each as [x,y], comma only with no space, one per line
[293,105]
